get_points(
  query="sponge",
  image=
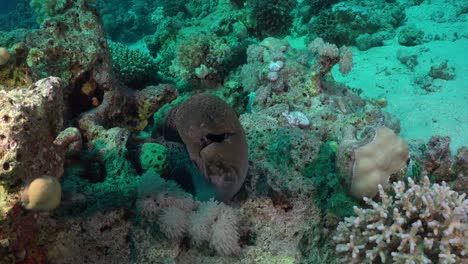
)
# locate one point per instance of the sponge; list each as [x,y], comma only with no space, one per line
[42,194]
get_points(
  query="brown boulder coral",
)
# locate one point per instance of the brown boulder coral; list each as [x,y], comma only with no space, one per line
[216,142]
[371,160]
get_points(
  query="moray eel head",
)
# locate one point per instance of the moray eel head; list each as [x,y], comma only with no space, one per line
[215,140]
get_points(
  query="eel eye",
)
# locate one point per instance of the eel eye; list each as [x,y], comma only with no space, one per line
[210,138]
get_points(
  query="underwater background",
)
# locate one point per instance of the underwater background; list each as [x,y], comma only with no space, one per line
[233,131]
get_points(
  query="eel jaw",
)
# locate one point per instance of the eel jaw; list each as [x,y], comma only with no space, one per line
[214,138]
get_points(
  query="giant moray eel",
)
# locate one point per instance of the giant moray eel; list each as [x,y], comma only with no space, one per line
[216,142]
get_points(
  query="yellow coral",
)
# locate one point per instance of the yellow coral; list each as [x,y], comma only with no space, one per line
[42,194]
[88,87]
[4,56]
[311,86]
[386,154]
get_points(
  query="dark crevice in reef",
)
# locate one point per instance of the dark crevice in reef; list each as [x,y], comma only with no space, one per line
[85,95]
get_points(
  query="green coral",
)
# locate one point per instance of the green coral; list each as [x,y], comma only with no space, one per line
[331,196]
[201,57]
[134,67]
[273,17]
[233,94]
[102,176]
[160,115]
[47,8]
[154,156]
[279,149]
[362,24]
[14,72]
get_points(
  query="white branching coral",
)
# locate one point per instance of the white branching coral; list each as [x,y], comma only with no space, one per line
[419,223]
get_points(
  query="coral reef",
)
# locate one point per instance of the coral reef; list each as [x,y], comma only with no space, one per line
[208,223]
[127,21]
[442,71]
[98,238]
[19,237]
[364,25]
[331,196]
[31,118]
[272,18]
[417,224]
[189,132]
[410,36]
[274,223]
[274,148]
[435,159]
[275,68]
[14,70]
[460,169]
[134,67]
[201,57]
[126,108]
[16,15]
[71,44]
[154,156]
[70,139]
[438,160]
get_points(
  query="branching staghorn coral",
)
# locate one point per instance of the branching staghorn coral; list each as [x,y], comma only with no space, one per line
[418,224]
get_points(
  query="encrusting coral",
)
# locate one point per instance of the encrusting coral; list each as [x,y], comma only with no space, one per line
[420,223]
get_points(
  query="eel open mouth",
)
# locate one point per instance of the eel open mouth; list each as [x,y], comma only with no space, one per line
[214,138]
